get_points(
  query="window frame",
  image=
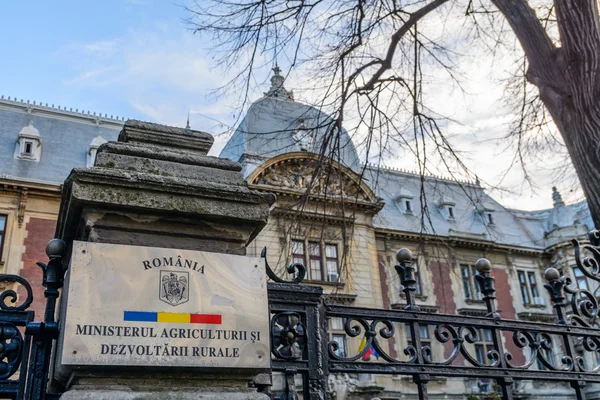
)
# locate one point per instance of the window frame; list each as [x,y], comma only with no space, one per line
[424,334]
[336,328]
[24,144]
[3,235]
[335,259]
[529,288]
[580,278]
[299,255]
[322,258]
[469,282]
[524,287]
[341,351]
[317,258]
[483,345]
[533,286]
[450,212]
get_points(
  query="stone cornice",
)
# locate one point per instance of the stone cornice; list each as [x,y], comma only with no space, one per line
[454,241]
[34,187]
[311,216]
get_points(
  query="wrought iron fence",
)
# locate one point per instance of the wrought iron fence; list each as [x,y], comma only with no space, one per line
[301,345]
[25,344]
[567,351]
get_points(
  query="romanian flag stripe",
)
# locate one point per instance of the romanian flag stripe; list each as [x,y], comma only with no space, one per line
[177,318]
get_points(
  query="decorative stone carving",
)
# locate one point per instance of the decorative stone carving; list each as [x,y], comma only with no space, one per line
[299,175]
[340,385]
[22,205]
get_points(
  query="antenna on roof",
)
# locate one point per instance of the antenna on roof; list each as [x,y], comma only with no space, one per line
[187,125]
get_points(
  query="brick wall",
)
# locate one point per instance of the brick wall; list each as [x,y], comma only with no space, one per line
[505,305]
[442,287]
[39,232]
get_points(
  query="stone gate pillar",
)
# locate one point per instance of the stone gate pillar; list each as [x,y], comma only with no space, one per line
[157,187]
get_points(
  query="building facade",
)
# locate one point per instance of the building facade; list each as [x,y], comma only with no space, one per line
[341,219]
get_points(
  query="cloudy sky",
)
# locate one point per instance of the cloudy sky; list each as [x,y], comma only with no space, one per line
[137,59]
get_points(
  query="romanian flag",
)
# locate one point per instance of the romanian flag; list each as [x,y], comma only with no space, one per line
[370,352]
[180,318]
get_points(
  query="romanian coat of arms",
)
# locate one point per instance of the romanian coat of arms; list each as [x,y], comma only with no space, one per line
[174,287]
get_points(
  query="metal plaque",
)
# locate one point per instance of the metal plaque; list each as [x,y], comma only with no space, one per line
[145,306]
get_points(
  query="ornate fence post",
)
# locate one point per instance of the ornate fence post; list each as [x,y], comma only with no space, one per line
[44,333]
[487,286]
[406,270]
[556,287]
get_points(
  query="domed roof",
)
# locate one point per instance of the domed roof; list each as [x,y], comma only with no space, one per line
[561,215]
[30,131]
[277,124]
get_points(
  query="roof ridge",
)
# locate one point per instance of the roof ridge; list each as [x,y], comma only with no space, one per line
[415,173]
[40,105]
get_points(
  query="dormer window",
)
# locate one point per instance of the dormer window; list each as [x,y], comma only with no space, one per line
[446,205]
[486,212]
[29,144]
[403,200]
[93,149]
[28,150]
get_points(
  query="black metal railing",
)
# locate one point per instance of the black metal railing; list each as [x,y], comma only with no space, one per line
[483,347]
[25,344]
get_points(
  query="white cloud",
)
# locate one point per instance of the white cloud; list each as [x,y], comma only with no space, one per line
[164,73]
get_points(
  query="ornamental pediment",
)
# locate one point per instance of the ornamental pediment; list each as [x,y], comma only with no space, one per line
[302,172]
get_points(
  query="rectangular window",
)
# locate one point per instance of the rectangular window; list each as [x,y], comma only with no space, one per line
[523,286]
[490,218]
[408,206]
[484,344]
[341,342]
[337,324]
[530,293]
[3,219]
[28,147]
[468,291]
[451,212]
[423,335]
[298,252]
[321,260]
[331,260]
[470,285]
[477,292]
[316,270]
[533,286]
[418,288]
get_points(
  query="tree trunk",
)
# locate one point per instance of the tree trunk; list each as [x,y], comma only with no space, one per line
[568,78]
[580,129]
